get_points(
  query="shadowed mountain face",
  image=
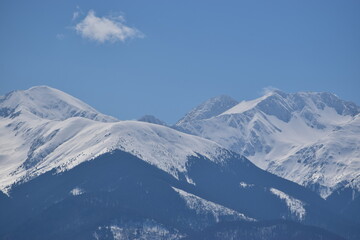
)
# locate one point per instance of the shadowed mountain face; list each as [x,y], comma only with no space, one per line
[309,138]
[120,194]
[209,108]
[69,172]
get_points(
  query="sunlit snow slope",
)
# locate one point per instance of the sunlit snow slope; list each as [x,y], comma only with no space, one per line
[43,128]
[308,137]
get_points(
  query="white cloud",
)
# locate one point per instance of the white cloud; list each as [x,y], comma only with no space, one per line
[269,89]
[102,29]
[77,13]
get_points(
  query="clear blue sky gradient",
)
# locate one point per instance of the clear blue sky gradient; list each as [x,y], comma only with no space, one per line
[192,50]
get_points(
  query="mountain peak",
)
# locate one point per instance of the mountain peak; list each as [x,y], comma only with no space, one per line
[210,108]
[283,105]
[280,132]
[48,103]
[151,119]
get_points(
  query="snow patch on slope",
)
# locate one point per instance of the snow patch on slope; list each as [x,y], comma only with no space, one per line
[246,185]
[76,191]
[244,106]
[295,206]
[148,229]
[202,206]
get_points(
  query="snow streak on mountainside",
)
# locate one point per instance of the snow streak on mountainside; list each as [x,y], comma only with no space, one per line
[310,138]
[202,206]
[31,145]
[296,206]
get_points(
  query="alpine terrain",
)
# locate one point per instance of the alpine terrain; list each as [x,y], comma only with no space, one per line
[68,171]
[311,138]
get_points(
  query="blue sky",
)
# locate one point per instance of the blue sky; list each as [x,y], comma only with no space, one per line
[165,57]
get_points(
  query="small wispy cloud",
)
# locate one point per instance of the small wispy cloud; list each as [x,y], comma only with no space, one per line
[77,13]
[102,29]
[269,89]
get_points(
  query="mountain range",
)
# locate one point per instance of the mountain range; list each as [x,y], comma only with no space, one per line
[284,166]
[308,137]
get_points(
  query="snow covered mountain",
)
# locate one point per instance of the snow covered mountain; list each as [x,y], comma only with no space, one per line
[48,103]
[61,159]
[308,137]
[44,128]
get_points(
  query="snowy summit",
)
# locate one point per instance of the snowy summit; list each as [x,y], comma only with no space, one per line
[307,137]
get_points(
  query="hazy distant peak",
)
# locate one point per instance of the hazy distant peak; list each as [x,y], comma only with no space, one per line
[210,108]
[151,119]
